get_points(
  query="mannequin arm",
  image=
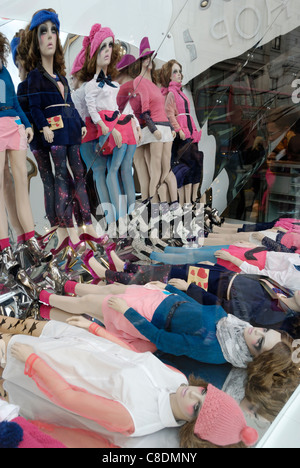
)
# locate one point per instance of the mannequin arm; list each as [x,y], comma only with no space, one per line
[107,413]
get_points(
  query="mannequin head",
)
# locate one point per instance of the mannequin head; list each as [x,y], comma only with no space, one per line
[18,53]
[170,71]
[80,65]
[217,419]
[105,53]
[4,50]
[42,41]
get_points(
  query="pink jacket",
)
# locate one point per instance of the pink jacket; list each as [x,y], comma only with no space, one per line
[178,110]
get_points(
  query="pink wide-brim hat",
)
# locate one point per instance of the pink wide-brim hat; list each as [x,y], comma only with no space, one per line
[145,48]
[99,37]
[125,61]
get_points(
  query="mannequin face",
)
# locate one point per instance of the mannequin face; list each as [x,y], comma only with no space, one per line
[260,340]
[176,73]
[188,401]
[21,69]
[104,54]
[47,37]
[147,63]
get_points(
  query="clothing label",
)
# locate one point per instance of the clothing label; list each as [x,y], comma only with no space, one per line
[18,121]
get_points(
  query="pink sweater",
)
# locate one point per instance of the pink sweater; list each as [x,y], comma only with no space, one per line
[178,110]
[151,99]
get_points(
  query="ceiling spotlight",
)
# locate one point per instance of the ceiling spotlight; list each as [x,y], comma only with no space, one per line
[204,4]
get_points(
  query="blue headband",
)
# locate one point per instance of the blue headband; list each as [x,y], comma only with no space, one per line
[14,45]
[43,16]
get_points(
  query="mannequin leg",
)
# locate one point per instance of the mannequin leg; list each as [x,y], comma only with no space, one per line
[19,171]
[188,193]
[10,200]
[63,199]
[156,154]
[112,181]
[77,168]
[3,216]
[43,160]
[127,177]
[15,326]
[167,175]
[141,166]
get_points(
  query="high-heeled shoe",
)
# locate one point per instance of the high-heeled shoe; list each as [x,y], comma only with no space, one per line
[9,263]
[55,278]
[31,288]
[72,259]
[61,249]
[108,249]
[45,239]
[91,240]
[38,256]
[86,257]
[79,247]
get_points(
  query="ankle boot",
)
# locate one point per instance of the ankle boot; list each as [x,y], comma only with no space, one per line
[38,256]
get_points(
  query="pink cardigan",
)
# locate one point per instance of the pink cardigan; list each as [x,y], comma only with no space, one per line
[178,110]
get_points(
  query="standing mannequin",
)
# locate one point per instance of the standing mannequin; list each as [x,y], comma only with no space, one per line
[101,99]
[157,131]
[89,143]
[177,108]
[49,98]
[127,72]
[15,132]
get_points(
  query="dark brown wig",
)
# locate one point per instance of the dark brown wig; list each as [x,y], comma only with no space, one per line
[4,49]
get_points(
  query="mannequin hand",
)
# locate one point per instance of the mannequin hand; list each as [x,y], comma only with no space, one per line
[173,134]
[48,134]
[180,284]
[258,236]
[117,137]
[118,304]
[83,132]
[21,351]
[157,135]
[104,128]
[223,255]
[29,134]
[139,135]
[182,135]
[79,321]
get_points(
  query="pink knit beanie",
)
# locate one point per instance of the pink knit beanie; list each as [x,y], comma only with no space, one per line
[80,58]
[99,37]
[221,421]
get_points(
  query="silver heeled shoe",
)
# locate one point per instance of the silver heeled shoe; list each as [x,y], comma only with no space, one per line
[30,288]
[55,278]
[9,263]
[38,256]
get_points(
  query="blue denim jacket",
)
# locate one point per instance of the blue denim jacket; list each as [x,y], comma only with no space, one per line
[192,330]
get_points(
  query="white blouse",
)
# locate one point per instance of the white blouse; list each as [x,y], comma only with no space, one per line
[280,267]
[98,99]
[139,381]
[78,97]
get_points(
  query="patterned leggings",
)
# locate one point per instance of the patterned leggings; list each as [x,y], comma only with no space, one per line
[66,190]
